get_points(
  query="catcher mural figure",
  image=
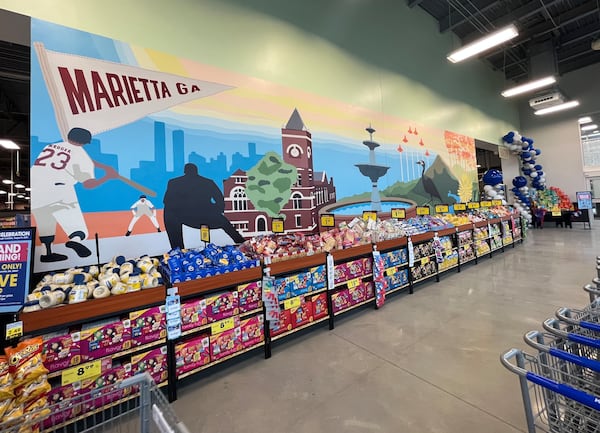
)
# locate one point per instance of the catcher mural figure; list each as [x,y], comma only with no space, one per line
[54,174]
[140,208]
[194,200]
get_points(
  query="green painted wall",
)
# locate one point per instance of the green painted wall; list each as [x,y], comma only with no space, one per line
[380,55]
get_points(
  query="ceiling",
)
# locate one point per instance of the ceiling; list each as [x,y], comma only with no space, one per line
[563,28]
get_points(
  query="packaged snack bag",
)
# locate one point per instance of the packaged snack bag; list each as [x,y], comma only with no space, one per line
[6,388]
[25,361]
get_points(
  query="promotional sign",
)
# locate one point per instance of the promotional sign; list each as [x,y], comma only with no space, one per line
[423,210]
[460,207]
[486,203]
[379,279]
[584,199]
[327,220]
[442,208]
[277,225]
[204,233]
[473,205]
[496,202]
[16,252]
[173,313]
[399,213]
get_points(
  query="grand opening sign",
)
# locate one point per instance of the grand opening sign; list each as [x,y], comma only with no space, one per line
[16,251]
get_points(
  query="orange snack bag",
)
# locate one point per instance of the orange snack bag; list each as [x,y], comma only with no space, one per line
[25,361]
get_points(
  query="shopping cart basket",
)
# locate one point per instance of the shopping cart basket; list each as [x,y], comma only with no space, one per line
[589,338]
[550,405]
[593,290]
[133,405]
[590,313]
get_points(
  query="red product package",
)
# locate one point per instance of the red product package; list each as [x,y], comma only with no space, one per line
[148,325]
[249,296]
[225,343]
[193,314]
[153,362]
[222,305]
[253,331]
[357,294]
[60,400]
[369,289]
[319,304]
[283,325]
[61,350]
[340,300]
[192,354]
[302,314]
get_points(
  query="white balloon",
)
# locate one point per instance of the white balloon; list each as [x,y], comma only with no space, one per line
[492,193]
[533,174]
[503,202]
[487,187]
[524,189]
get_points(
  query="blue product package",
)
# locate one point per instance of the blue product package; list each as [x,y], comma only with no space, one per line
[318,277]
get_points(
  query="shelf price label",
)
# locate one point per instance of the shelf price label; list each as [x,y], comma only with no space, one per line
[424,260]
[14,330]
[473,205]
[81,372]
[398,213]
[496,202]
[277,225]
[292,303]
[423,210]
[486,203]
[442,208]
[459,207]
[355,282]
[204,233]
[391,271]
[327,220]
[556,213]
[222,326]
[369,215]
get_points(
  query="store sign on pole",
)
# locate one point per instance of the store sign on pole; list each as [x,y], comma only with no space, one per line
[173,312]
[16,253]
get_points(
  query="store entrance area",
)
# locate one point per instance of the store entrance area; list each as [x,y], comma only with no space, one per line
[427,362]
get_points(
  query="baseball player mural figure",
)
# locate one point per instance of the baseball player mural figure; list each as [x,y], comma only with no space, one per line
[54,174]
[194,200]
[140,208]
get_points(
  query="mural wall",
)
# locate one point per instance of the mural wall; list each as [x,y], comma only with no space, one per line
[141,148]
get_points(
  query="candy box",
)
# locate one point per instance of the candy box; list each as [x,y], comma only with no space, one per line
[281,287]
[283,325]
[148,325]
[192,354]
[403,253]
[302,314]
[357,294]
[318,276]
[369,289]
[319,304]
[222,305]
[193,314]
[249,296]
[340,300]
[340,273]
[108,394]
[355,268]
[299,284]
[225,343]
[61,350]
[60,400]
[367,265]
[100,339]
[253,331]
[154,362]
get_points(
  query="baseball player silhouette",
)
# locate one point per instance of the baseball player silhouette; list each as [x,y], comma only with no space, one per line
[140,208]
[194,200]
[54,174]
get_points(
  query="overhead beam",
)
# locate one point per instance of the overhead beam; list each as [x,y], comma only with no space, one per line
[413,3]
[588,31]
[580,62]
[455,19]
[561,20]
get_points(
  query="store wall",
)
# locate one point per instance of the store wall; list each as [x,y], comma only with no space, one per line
[557,134]
[385,57]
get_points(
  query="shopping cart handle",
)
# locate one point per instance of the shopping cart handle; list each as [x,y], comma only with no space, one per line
[505,360]
[532,338]
[564,314]
[591,289]
[553,325]
[582,361]
[562,389]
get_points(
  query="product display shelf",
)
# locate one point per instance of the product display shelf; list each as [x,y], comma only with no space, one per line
[123,353]
[446,232]
[467,261]
[391,244]
[480,224]
[435,274]
[430,256]
[353,307]
[397,289]
[218,282]
[316,292]
[91,310]
[464,227]
[348,254]
[220,361]
[298,264]
[343,283]
[421,237]
[300,328]
[445,269]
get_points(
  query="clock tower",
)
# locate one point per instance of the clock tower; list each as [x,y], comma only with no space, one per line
[297,149]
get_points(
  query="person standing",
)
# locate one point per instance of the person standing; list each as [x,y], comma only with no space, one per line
[140,208]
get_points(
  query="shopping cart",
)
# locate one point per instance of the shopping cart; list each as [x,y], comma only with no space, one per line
[593,290]
[133,405]
[586,335]
[551,405]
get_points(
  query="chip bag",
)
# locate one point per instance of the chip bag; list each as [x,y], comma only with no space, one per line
[6,389]
[32,390]
[25,361]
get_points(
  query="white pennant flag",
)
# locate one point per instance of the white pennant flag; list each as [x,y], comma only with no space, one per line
[99,95]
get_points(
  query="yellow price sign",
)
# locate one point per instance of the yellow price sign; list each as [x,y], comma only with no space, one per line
[423,210]
[486,203]
[399,214]
[442,208]
[327,220]
[81,372]
[353,283]
[424,260]
[222,326]
[473,205]
[391,271]
[277,225]
[369,215]
[459,207]
[292,303]
[496,202]
[556,213]
[204,233]
[14,330]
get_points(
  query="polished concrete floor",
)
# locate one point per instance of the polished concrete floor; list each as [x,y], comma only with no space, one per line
[427,362]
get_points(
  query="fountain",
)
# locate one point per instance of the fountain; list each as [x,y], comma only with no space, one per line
[372,170]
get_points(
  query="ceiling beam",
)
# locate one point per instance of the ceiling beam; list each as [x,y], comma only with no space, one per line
[588,31]
[581,62]
[413,3]
[572,15]
[455,18]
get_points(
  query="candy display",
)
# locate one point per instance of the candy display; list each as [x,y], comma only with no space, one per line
[423,269]
[465,238]
[482,247]
[466,253]
[225,343]
[281,246]
[61,350]
[192,354]
[252,331]
[193,314]
[249,296]
[340,300]
[99,339]
[148,325]
[222,305]
[450,260]
[153,362]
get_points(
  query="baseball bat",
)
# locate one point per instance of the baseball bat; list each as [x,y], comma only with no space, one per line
[129,182]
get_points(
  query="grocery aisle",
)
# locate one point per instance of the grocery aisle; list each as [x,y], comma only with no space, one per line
[423,363]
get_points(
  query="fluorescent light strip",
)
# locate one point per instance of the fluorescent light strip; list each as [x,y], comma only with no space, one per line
[589,127]
[554,108]
[586,119]
[7,181]
[9,144]
[527,87]
[483,44]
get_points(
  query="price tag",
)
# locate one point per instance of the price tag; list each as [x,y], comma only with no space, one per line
[204,233]
[424,260]
[486,203]
[81,372]
[292,303]
[459,207]
[222,326]
[556,213]
[473,205]
[369,215]
[391,271]
[399,214]
[353,283]
[442,208]
[327,220]
[496,202]
[14,330]
[423,210]
[277,225]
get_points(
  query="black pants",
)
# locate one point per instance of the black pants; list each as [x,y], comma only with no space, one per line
[174,227]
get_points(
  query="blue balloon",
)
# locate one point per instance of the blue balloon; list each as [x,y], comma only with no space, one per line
[525,155]
[519,181]
[492,177]
[540,173]
[538,167]
[509,138]
[527,172]
[538,151]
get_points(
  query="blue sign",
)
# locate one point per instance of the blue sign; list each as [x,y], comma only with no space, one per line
[584,200]
[16,252]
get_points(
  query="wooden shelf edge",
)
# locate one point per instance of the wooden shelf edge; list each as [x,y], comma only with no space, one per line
[297,264]
[480,224]
[91,310]
[421,237]
[446,232]
[349,253]
[465,227]
[218,282]
[392,244]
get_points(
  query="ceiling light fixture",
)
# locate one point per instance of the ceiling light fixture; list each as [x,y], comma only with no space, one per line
[7,181]
[27,189]
[2,192]
[559,107]
[586,119]
[27,198]
[19,185]
[483,44]
[589,127]
[527,87]
[20,196]
[9,144]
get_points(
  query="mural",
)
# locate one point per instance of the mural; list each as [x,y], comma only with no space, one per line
[140,148]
